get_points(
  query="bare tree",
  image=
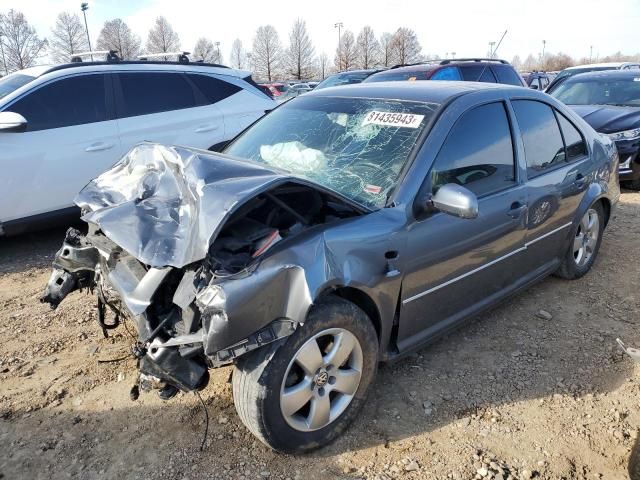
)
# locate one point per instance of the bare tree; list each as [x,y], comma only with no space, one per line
[238,55]
[516,62]
[386,50]
[206,51]
[21,44]
[406,46]
[368,48]
[300,54]
[323,65]
[68,36]
[116,35]
[346,53]
[266,53]
[530,63]
[162,38]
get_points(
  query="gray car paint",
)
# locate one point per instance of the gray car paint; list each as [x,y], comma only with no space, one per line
[417,277]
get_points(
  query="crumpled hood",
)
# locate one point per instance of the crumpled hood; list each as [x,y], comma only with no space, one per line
[164,205]
[609,118]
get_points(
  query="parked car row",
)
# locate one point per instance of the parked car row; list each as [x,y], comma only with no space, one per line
[306,246]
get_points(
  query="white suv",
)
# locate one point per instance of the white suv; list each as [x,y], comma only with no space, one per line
[62,126]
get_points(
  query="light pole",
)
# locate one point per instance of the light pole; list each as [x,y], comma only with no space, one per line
[218,48]
[339,26]
[491,45]
[591,54]
[84,7]
[4,62]
[544,45]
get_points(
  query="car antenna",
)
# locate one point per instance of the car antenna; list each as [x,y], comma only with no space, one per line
[491,54]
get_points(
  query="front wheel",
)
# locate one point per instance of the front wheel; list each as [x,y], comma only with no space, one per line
[583,250]
[301,395]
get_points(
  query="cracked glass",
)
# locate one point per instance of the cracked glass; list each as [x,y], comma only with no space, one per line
[355,146]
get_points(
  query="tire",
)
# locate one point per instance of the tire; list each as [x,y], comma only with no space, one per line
[573,265]
[263,379]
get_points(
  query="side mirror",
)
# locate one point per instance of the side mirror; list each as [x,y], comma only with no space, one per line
[12,122]
[456,200]
[534,86]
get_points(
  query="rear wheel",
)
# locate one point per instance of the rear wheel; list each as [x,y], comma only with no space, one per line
[302,394]
[583,250]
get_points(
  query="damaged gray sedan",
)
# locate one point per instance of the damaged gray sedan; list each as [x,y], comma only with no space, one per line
[349,226]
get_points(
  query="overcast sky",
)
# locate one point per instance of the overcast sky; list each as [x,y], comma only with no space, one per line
[462,26]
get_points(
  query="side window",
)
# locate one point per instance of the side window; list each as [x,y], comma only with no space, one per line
[543,144]
[146,93]
[544,81]
[477,73]
[576,146]
[64,103]
[507,75]
[478,152]
[447,73]
[212,89]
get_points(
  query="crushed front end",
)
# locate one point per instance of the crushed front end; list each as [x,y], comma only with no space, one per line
[189,246]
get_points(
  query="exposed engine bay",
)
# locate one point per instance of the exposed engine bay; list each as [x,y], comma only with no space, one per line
[147,217]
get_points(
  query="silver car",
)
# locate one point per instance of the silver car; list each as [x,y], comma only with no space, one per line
[349,226]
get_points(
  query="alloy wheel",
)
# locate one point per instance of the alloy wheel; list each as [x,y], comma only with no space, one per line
[321,380]
[586,238]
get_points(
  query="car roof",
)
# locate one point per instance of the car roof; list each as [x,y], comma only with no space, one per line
[77,67]
[436,92]
[605,75]
[601,65]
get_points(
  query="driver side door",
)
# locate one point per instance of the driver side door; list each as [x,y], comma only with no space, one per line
[457,266]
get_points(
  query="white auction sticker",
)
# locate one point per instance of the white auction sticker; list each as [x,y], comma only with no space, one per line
[389,119]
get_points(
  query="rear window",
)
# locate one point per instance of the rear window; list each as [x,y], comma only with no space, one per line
[147,93]
[11,83]
[213,89]
[281,88]
[343,79]
[392,76]
[477,73]
[507,75]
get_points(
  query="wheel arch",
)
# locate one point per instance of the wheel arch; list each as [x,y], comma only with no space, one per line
[360,299]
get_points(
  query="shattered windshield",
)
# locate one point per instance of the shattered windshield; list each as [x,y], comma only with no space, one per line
[355,146]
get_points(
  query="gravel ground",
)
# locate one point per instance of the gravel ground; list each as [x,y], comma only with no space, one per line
[536,388]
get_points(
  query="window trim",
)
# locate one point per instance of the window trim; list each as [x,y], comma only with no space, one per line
[564,143]
[516,170]
[108,97]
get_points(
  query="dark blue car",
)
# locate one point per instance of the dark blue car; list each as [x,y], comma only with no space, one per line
[610,102]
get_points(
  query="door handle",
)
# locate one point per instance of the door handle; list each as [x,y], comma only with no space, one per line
[97,147]
[206,128]
[580,180]
[516,210]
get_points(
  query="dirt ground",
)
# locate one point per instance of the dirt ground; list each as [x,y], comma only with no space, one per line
[510,394]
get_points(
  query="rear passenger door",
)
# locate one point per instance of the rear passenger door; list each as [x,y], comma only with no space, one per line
[557,166]
[165,107]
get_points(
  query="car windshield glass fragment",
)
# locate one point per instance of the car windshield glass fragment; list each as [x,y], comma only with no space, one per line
[354,146]
[599,91]
[11,83]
